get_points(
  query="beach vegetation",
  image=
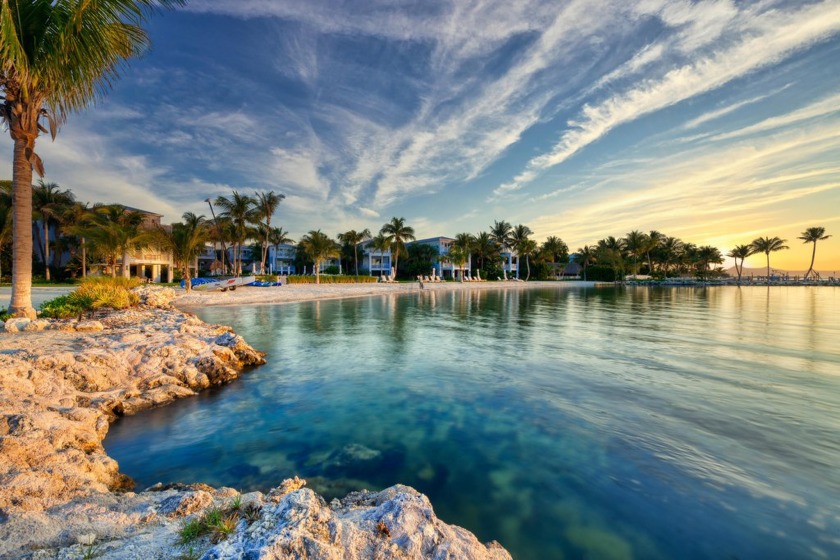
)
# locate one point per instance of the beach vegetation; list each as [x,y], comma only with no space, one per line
[740,252]
[185,241]
[768,245]
[319,247]
[251,513]
[57,58]
[93,293]
[112,231]
[266,204]
[397,233]
[812,235]
[352,238]
[331,279]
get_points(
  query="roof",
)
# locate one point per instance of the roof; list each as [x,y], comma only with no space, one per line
[441,238]
[132,209]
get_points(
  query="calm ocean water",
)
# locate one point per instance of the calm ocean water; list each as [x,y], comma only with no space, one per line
[565,423]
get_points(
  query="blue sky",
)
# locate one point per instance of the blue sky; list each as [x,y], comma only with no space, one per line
[715,122]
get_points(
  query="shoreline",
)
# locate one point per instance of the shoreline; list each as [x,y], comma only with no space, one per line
[299,293]
[62,383]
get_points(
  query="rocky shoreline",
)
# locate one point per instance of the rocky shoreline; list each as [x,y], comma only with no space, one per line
[61,496]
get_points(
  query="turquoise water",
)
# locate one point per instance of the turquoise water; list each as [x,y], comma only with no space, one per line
[565,423]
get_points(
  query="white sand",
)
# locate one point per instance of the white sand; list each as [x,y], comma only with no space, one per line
[308,292]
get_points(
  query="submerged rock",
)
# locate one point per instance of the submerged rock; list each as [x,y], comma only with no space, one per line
[62,497]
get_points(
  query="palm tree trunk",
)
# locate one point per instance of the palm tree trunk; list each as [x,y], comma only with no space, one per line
[528,266]
[47,249]
[317,271]
[813,256]
[768,267]
[739,269]
[84,259]
[113,266]
[185,271]
[21,302]
[356,259]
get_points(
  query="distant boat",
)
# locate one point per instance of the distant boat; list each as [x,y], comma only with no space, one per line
[223,284]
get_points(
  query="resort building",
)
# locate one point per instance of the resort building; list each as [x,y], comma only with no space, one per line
[443,267]
[377,263]
[155,265]
[281,259]
[510,262]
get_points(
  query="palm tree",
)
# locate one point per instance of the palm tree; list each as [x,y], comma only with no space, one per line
[379,244]
[517,239]
[75,214]
[527,248]
[184,241]
[458,256]
[655,240]
[556,249]
[740,252]
[707,255]
[611,250]
[266,206]
[768,245]
[240,210]
[319,247]
[353,238]
[397,233]
[465,243]
[277,236]
[668,252]
[114,231]
[49,203]
[812,235]
[636,243]
[484,247]
[57,57]
[585,256]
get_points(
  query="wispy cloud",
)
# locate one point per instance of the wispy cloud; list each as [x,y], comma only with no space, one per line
[770,37]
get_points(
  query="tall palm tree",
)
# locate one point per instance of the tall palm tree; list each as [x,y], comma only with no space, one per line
[556,249]
[812,235]
[611,250]
[49,203]
[75,214]
[655,240]
[57,57]
[517,239]
[240,210]
[527,248]
[353,237]
[585,256]
[636,243]
[465,242]
[380,244]
[114,231]
[397,233]
[484,247]
[266,206]
[740,252]
[707,255]
[667,253]
[184,241]
[278,236]
[768,245]
[319,246]
[458,256]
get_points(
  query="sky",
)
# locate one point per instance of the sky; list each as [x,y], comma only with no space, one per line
[716,121]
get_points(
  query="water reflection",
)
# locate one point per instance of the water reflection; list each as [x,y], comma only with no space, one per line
[680,422]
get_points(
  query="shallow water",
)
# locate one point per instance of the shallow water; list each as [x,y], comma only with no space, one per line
[39,295]
[565,423]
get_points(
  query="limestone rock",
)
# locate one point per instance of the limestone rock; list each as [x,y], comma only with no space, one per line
[16,324]
[185,504]
[396,523]
[89,326]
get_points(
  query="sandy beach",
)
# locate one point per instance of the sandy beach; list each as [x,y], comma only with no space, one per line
[309,292]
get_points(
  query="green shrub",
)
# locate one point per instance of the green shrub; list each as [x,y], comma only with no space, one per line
[599,273]
[93,294]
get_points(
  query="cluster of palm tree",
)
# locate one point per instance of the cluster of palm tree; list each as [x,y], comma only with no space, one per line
[662,254]
[244,217]
[392,237]
[769,245]
[56,57]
